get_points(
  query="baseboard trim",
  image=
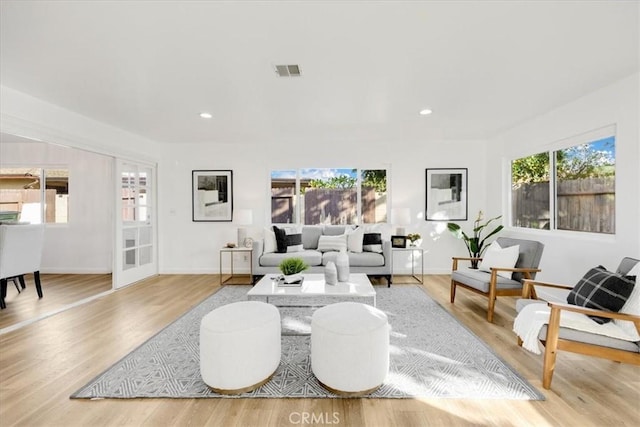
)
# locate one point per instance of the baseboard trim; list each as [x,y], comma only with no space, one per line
[74,271]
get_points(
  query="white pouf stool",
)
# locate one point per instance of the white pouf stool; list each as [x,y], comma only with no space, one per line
[239,346]
[350,347]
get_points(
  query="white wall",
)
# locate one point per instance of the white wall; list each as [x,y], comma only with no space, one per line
[568,255]
[29,117]
[24,115]
[192,247]
[84,245]
[188,247]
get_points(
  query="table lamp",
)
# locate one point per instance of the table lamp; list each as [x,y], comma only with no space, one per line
[242,217]
[401,217]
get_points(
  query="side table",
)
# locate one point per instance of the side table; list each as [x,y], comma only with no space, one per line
[420,257]
[232,252]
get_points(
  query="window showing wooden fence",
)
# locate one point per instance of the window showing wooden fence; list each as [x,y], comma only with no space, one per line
[581,205]
[328,205]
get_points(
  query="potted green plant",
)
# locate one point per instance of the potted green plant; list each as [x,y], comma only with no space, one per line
[415,239]
[475,244]
[291,269]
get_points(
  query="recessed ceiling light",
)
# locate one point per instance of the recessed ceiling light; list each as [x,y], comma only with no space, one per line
[425,112]
[206,115]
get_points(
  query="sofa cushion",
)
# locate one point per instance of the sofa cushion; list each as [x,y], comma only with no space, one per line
[632,306]
[310,236]
[366,259]
[288,239]
[332,243]
[480,279]
[355,239]
[363,259]
[311,257]
[530,254]
[496,256]
[381,227]
[335,230]
[372,242]
[270,244]
[589,338]
[602,290]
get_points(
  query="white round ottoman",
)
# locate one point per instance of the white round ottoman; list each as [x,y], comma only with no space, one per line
[350,348]
[239,346]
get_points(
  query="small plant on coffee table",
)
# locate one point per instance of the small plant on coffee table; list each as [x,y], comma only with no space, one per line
[293,266]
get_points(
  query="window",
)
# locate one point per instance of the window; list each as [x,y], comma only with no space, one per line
[329,196]
[34,194]
[530,195]
[568,189]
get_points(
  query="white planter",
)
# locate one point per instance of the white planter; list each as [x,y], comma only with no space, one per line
[291,278]
[342,265]
[415,244]
[330,273]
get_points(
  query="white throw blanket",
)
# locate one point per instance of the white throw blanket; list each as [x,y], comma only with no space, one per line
[533,317]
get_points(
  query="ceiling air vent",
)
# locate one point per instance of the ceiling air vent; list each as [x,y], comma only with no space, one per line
[288,70]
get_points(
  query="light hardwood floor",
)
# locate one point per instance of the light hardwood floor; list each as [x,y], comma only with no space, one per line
[43,363]
[59,291]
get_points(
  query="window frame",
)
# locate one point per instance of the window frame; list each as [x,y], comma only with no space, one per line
[43,187]
[563,144]
[297,214]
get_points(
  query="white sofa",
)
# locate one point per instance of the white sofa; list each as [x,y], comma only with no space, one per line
[372,263]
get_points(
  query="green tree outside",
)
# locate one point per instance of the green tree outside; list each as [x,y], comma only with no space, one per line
[578,162]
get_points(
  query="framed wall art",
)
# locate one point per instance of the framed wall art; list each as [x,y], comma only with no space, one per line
[212,195]
[398,241]
[446,194]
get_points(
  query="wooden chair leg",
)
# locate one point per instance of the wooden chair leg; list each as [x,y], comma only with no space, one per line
[453,291]
[490,309]
[21,280]
[550,348]
[36,276]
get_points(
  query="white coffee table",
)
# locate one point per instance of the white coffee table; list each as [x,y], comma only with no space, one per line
[357,288]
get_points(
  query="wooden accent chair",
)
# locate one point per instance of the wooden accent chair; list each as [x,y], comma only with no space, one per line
[554,337]
[20,254]
[491,284]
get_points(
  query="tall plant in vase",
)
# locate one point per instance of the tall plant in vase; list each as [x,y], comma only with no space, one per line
[476,243]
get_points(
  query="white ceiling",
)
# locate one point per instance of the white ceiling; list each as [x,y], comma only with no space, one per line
[150,67]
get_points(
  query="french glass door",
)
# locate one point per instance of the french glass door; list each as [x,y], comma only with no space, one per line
[135,255]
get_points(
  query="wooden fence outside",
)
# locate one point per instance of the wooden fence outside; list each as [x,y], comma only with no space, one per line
[582,205]
[328,205]
[14,199]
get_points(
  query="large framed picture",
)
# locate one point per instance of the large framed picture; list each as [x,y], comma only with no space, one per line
[212,195]
[446,195]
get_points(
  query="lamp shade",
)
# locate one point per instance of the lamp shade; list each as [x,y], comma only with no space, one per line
[243,216]
[401,216]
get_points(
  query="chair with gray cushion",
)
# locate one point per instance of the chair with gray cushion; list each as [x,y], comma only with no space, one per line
[555,337]
[20,254]
[490,284]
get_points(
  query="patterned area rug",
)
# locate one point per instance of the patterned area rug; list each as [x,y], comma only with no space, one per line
[432,356]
